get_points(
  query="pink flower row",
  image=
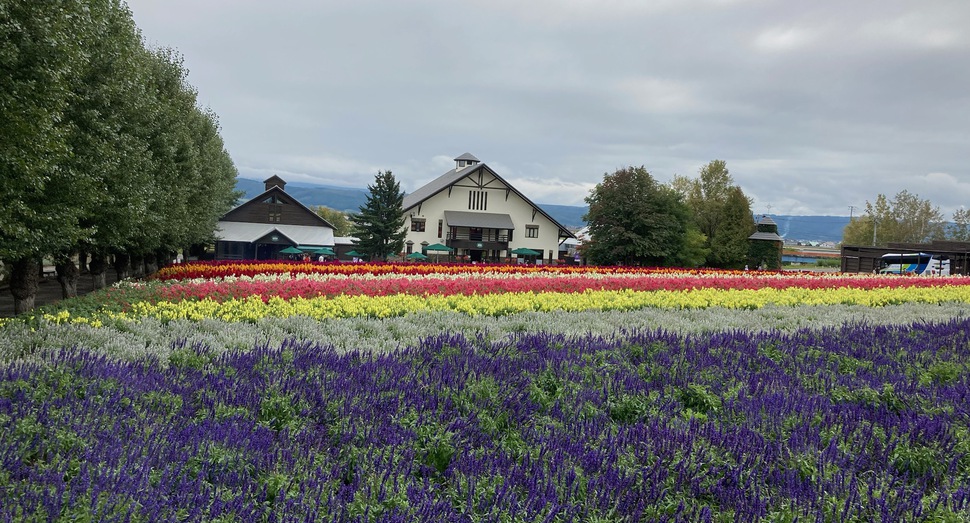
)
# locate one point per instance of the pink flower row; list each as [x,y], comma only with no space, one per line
[477,284]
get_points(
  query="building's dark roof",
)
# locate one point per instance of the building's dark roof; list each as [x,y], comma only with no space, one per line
[435,186]
[766,236]
[468,156]
[766,220]
[455,175]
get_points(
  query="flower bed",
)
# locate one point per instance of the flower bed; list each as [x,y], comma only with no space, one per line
[854,424]
[490,393]
[327,291]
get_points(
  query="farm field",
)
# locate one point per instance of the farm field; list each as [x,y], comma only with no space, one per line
[426,392]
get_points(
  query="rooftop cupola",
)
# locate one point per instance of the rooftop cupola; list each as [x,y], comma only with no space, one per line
[274,181]
[465,160]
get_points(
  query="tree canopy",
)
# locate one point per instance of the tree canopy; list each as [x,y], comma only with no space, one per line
[103,148]
[634,220]
[379,226]
[341,224]
[907,218]
[959,230]
[721,212]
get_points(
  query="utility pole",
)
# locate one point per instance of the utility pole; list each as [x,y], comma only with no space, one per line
[851,209]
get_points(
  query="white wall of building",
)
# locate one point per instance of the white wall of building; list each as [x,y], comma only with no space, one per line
[500,200]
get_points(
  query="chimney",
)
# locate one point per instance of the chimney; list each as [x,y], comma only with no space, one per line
[465,160]
[274,181]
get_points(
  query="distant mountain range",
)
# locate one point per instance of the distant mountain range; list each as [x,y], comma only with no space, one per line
[799,228]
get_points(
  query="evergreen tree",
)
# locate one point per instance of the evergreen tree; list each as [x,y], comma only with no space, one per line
[379,226]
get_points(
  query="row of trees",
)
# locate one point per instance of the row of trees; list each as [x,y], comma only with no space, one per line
[635,220]
[103,148]
[906,218]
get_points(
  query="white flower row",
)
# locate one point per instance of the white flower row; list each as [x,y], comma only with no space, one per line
[150,337]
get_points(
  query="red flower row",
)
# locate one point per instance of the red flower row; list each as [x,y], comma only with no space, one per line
[310,288]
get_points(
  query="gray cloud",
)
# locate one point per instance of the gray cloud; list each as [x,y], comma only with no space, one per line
[815,106]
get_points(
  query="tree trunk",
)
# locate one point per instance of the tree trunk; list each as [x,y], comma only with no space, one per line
[24,280]
[98,268]
[122,266]
[67,276]
[138,266]
[82,261]
[151,264]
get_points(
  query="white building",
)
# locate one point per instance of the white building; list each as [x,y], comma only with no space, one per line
[472,210]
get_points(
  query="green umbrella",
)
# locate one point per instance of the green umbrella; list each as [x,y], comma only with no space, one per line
[354,253]
[416,256]
[436,247]
[324,250]
[291,250]
[522,251]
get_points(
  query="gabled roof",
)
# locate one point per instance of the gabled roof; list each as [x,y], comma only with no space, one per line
[280,193]
[455,175]
[297,234]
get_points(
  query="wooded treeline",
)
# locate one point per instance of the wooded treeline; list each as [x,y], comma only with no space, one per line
[103,150]
[636,220]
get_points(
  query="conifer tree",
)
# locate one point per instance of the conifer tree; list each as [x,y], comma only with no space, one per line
[379,226]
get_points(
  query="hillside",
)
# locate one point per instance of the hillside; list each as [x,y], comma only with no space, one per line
[799,228]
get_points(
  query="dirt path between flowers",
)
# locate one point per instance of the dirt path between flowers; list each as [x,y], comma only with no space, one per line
[49,291]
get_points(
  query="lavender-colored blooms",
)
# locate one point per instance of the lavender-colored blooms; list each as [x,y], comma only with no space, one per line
[858,423]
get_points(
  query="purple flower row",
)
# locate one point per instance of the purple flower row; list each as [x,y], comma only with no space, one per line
[859,423]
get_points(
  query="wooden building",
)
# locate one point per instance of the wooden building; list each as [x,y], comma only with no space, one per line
[856,258]
[265,225]
[765,245]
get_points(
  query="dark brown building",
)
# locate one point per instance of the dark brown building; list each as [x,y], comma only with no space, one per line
[265,225]
[856,258]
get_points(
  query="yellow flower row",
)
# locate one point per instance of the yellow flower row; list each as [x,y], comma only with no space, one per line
[254,308]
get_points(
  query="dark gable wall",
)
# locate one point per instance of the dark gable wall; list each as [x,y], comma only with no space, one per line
[291,212]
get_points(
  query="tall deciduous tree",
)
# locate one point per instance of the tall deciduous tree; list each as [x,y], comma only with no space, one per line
[103,148]
[905,219]
[721,212]
[41,54]
[379,226]
[960,228]
[635,221]
[341,224]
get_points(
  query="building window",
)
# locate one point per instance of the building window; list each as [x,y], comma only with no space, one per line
[275,215]
[439,228]
[417,224]
[477,200]
[531,231]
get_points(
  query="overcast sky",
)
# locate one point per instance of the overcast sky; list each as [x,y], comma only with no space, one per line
[815,106]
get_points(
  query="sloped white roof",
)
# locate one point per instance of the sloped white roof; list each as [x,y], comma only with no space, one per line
[250,232]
